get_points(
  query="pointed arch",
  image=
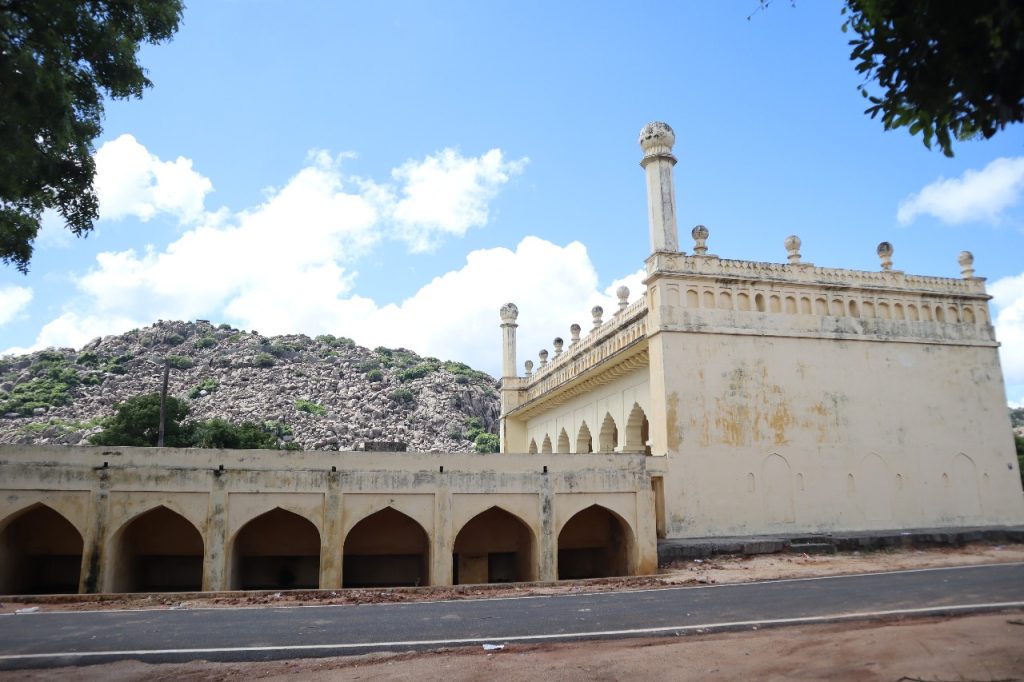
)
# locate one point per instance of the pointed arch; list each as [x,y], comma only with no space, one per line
[608,438]
[276,550]
[40,552]
[638,431]
[595,543]
[563,442]
[546,446]
[533,446]
[495,546]
[584,441]
[157,550]
[386,549]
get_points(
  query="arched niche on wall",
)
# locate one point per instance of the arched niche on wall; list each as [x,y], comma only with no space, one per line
[276,550]
[40,552]
[495,546]
[386,549]
[158,550]
[584,441]
[608,438]
[595,543]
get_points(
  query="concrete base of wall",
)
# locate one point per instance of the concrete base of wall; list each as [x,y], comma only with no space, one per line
[683,549]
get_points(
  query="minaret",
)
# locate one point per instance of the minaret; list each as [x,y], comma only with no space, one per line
[509,313]
[656,139]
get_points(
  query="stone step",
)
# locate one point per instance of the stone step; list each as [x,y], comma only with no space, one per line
[812,548]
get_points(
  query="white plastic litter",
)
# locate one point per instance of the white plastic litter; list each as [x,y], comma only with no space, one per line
[493,647]
[31,609]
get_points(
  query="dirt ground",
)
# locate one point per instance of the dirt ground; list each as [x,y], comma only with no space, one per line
[979,647]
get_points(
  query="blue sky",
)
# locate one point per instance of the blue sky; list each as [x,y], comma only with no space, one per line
[395,171]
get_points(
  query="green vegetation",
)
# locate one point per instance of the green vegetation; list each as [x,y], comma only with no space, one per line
[1019,442]
[87,358]
[474,427]
[174,339]
[402,395]
[368,365]
[303,405]
[137,423]
[217,433]
[179,362]
[264,360]
[486,442]
[210,385]
[1017,417]
[61,60]
[279,350]
[336,341]
[205,342]
[947,70]
[464,373]
[417,371]
[375,375]
[50,386]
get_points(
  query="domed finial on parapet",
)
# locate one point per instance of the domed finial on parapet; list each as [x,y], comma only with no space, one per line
[700,240]
[623,295]
[657,138]
[543,355]
[574,332]
[792,244]
[966,261]
[885,253]
[558,343]
[509,312]
[529,368]
[596,312]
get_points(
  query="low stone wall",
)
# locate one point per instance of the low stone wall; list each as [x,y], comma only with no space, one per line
[169,518]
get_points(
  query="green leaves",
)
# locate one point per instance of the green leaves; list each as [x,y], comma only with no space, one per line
[946,70]
[59,59]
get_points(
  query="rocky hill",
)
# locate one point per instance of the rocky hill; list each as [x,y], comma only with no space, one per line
[325,393]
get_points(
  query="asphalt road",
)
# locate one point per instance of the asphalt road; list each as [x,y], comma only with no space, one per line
[239,634]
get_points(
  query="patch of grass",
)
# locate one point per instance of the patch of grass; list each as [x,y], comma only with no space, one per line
[336,341]
[210,385]
[264,360]
[205,342]
[303,405]
[87,358]
[375,375]
[402,395]
[179,362]
[417,371]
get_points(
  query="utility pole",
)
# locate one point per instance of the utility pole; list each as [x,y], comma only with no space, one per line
[163,404]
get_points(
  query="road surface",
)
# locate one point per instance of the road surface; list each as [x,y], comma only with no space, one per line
[62,638]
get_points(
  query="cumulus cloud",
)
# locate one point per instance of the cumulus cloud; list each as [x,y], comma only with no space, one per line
[13,300]
[1008,300]
[975,195]
[447,194]
[130,181]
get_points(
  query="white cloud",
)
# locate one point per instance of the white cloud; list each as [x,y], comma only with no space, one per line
[1008,300]
[975,195]
[130,181]
[13,300]
[447,194]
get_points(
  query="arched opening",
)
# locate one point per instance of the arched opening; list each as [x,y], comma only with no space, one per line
[805,305]
[759,302]
[386,549]
[742,301]
[775,303]
[912,312]
[276,550]
[725,300]
[494,547]
[608,439]
[791,305]
[563,442]
[40,553]
[897,311]
[595,543]
[968,315]
[533,446]
[157,551]
[584,441]
[709,299]
[867,309]
[883,310]
[820,306]
[854,311]
[546,445]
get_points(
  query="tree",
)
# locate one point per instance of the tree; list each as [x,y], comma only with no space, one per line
[217,433]
[137,423]
[57,59]
[948,70]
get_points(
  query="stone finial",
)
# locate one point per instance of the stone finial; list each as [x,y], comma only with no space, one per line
[966,261]
[623,295]
[543,355]
[700,240]
[529,367]
[596,312]
[574,332]
[792,244]
[657,138]
[885,253]
[557,343]
[509,312]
